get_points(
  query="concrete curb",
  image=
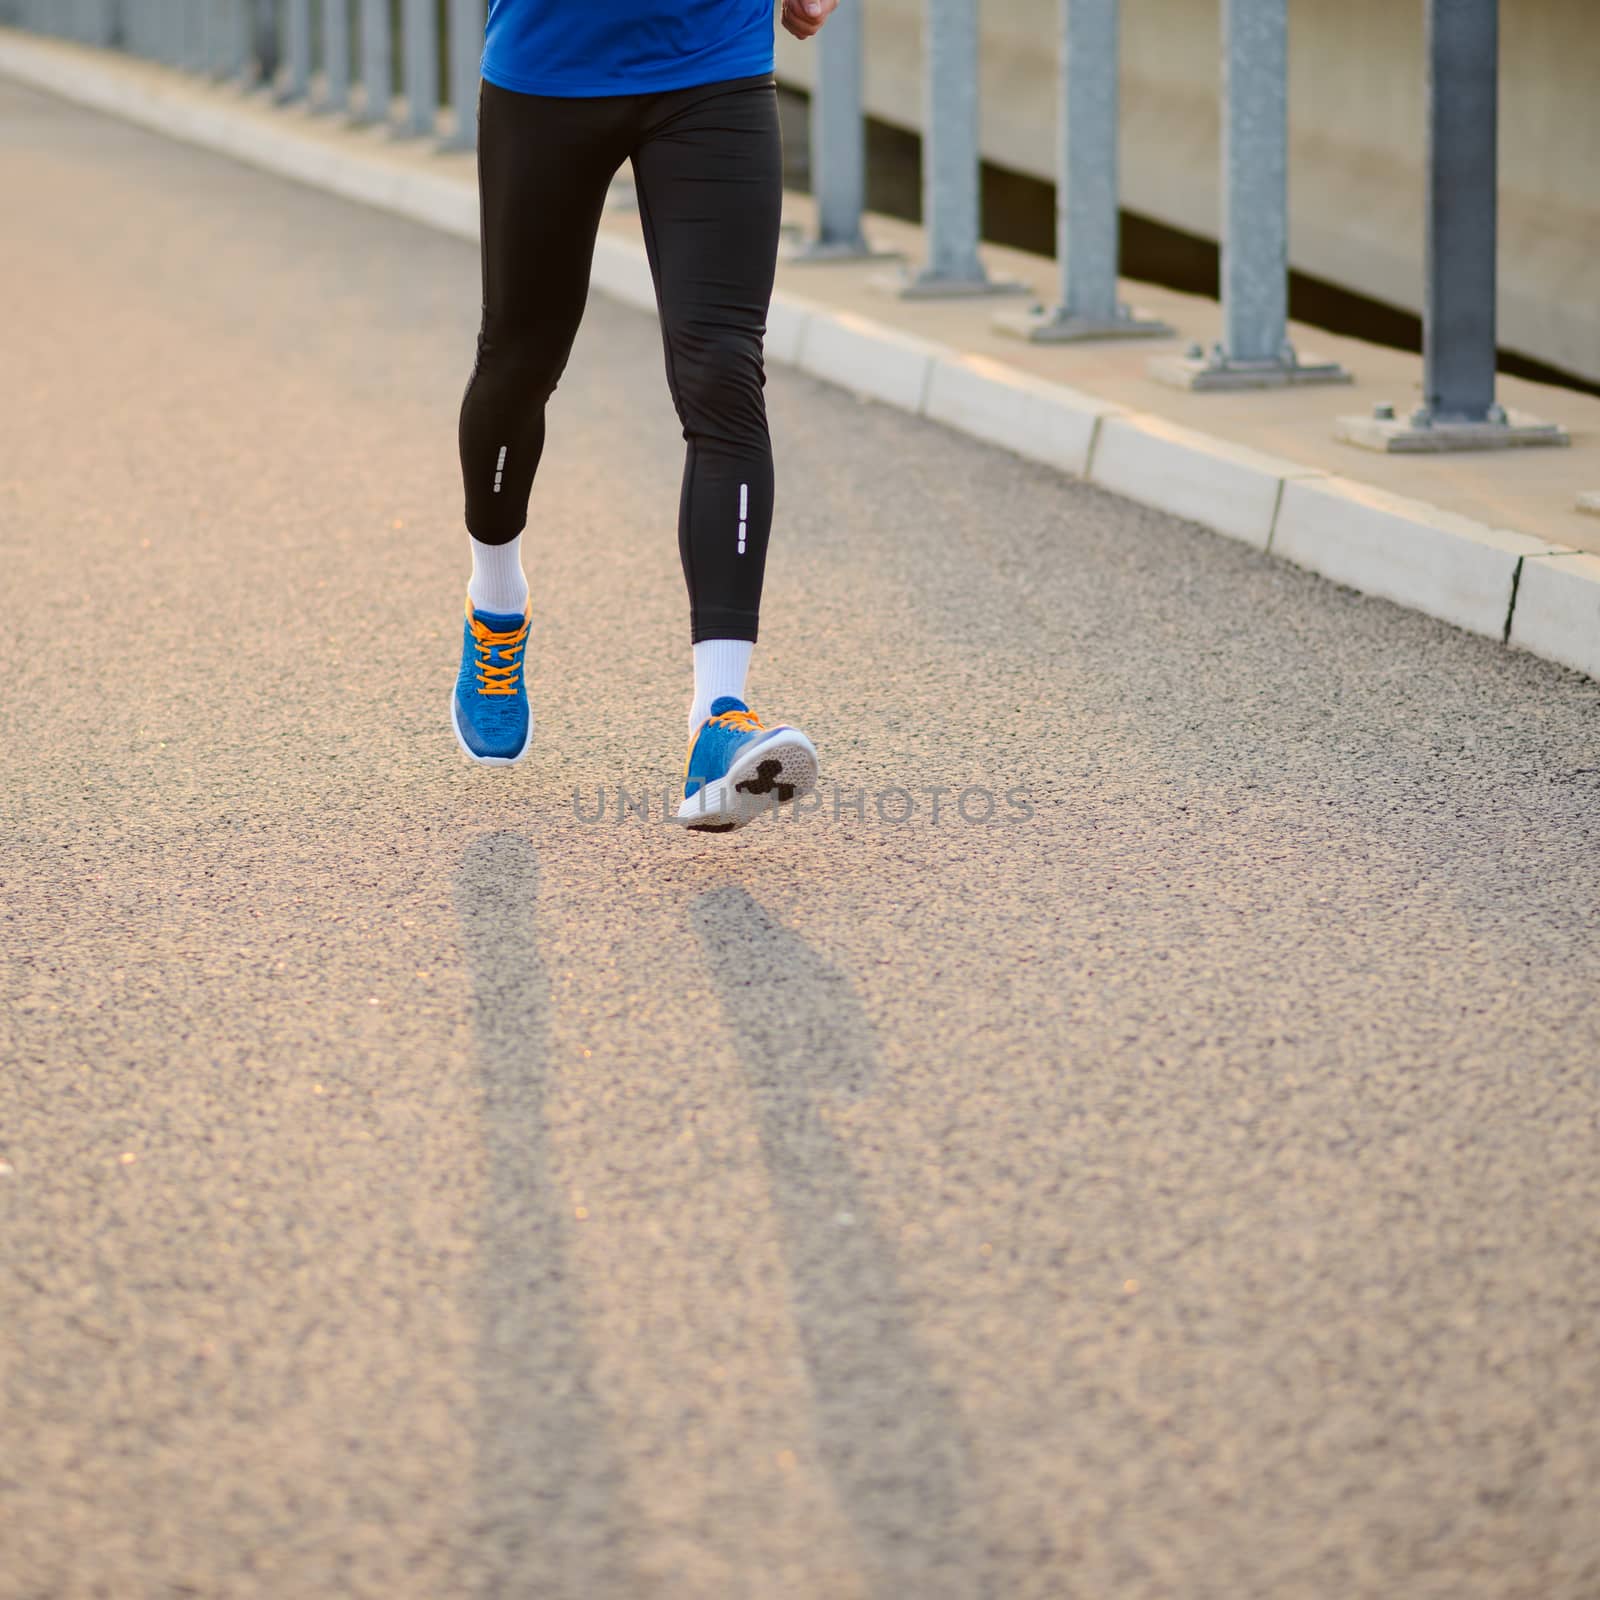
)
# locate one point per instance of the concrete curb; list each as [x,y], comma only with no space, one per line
[1043,421]
[1558,610]
[1220,485]
[1416,555]
[1500,584]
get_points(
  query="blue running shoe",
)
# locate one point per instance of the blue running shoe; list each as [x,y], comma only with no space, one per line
[737,768]
[489,709]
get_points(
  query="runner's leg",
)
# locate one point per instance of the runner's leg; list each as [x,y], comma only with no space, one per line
[544,166]
[709,170]
[710,178]
[543,169]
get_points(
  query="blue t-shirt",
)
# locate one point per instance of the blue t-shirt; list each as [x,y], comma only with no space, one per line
[596,47]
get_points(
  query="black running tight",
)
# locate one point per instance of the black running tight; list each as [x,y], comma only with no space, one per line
[708,169]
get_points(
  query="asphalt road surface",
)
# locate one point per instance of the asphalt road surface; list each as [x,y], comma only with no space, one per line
[1181,1184]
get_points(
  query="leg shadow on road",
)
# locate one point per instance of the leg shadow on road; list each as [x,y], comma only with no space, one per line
[890,1438]
[549,1484]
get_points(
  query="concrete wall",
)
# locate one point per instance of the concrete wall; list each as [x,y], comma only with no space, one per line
[1356,114]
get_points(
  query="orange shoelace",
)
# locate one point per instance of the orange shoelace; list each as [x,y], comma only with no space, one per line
[498,677]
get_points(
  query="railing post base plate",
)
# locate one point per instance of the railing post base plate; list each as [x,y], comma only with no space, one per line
[1416,435]
[937,286]
[1055,325]
[1218,373]
[818,252]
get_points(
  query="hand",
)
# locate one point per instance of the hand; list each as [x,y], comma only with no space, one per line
[804,18]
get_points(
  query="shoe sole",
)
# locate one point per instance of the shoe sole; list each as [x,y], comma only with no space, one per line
[775,773]
[488,761]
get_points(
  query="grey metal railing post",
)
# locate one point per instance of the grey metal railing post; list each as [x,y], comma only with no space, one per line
[226,55]
[1255,182]
[175,33]
[1459,278]
[265,42]
[420,49]
[335,55]
[228,34]
[466,22]
[1088,209]
[213,32]
[1254,351]
[244,22]
[951,202]
[195,54]
[1459,411]
[838,142]
[377,60]
[297,49]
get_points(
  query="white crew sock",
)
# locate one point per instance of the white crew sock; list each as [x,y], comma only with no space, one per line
[497,582]
[720,666]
